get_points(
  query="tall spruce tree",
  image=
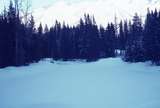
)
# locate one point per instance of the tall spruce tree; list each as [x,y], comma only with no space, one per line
[134,48]
[151,40]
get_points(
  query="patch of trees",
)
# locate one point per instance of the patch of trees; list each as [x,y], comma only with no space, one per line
[143,41]
[22,43]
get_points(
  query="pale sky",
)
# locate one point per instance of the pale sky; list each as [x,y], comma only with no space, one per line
[44,3]
[104,10]
[47,11]
[40,3]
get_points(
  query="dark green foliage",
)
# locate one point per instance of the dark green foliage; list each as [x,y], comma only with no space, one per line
[151,40]
[134,48]
[21,44]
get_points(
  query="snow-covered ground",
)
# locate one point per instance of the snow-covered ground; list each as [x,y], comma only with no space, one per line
[108,83]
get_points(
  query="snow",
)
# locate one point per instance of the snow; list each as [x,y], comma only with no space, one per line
[103,10]
[107,83]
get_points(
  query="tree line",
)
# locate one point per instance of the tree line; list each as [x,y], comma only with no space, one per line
[22,43]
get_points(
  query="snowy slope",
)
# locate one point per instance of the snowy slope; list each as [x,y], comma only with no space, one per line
[108,83]
[104,10]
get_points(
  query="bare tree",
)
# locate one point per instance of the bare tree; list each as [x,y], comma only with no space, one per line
[23,10]
[26,11]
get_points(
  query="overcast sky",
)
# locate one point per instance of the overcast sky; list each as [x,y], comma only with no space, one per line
[41,3]
[104,10]
[47,11]
[44,3]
